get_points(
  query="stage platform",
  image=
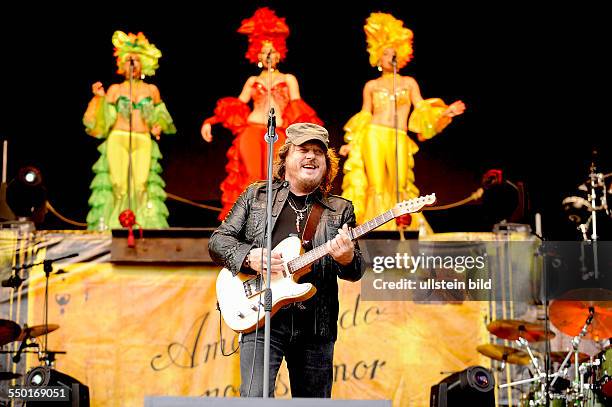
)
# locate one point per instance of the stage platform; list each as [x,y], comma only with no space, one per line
[142,322]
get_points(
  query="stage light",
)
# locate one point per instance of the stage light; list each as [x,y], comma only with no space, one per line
[504,199]
[45,376]
[26,194]
[30,176]
[473,386]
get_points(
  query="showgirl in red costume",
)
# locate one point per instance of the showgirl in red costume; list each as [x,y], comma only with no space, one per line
[271,88]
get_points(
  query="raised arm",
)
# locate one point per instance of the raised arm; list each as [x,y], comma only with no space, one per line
[430,116]
[100,116]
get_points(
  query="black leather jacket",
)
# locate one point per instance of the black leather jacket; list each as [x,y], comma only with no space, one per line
[243,230]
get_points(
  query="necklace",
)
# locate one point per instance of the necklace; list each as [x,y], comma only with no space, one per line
[299,213]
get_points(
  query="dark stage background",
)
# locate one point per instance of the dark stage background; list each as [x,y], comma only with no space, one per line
[527,76]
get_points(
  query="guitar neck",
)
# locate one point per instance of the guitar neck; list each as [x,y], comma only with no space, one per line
[372,224]
[321,251]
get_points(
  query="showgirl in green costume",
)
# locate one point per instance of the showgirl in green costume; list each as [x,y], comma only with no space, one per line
[108,117]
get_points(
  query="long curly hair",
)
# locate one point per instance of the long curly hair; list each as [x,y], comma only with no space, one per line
[331,165]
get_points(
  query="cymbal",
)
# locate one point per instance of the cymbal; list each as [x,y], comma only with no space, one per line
[559,357]
[569,316]
[36,330]
[9,331]
[9,375]
[504,353]
[512,329]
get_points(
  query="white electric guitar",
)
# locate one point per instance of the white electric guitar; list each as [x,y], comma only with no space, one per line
[241,297]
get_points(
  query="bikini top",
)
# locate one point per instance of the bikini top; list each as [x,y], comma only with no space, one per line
[279,92]
[145,105]
[383,99]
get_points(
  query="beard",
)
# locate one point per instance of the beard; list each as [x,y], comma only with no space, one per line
[308,185]
[304,183]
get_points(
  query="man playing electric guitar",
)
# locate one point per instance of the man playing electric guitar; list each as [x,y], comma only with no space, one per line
[302,332]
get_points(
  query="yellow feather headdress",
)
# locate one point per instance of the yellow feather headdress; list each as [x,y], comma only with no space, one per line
[385,31]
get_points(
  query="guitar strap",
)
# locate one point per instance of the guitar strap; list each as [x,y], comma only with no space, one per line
[311,225]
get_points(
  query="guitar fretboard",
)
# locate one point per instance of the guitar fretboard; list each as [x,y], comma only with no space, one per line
[321,251]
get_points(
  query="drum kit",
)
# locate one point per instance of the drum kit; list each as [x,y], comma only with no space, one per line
[580,379]
[590,210]
[10,331]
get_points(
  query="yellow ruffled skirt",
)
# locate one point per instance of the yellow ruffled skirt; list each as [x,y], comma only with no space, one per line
[371,175]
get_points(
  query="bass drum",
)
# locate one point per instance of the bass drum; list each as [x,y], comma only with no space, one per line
[603,376]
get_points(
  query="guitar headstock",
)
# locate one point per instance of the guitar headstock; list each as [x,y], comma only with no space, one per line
[413,205]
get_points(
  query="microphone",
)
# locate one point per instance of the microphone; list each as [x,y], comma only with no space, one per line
[23,345]
[269,56]
[13,281]
[271,133]
[394,59]
[271,121]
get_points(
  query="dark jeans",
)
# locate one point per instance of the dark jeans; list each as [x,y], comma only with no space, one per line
[309,359]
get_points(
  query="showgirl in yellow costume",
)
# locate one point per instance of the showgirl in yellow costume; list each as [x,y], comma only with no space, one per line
[370,171]
[108,117]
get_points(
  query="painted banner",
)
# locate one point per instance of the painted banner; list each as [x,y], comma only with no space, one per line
[133,331]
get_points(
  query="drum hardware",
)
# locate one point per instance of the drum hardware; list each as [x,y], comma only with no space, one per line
[575,343]
[592,381]
[583,211]
[603,375]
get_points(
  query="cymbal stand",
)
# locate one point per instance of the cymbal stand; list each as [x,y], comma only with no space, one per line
[541,376]
[575,343]
[523,342]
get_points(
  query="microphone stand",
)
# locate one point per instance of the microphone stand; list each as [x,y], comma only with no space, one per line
[48,269]
[395,126]
[271,138]
[130,177]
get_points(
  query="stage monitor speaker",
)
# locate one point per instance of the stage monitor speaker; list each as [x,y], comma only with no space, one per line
[258,402]
[44,376]
[473,386]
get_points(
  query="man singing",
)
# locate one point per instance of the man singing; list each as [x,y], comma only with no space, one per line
[304,333]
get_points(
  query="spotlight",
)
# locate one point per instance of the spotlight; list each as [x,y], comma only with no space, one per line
[473,386]
[44,376]
[504,199]
[30,176]
[26,194]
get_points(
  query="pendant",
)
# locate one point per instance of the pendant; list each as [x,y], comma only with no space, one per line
[298,219]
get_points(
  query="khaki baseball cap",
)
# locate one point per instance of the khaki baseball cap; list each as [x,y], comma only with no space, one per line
[299,133]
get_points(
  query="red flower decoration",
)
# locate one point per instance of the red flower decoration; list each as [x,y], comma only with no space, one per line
[492,177]
[127,219]
[403,221]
